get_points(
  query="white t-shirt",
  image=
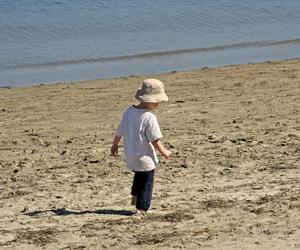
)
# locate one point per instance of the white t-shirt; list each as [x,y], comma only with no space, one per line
[139,127]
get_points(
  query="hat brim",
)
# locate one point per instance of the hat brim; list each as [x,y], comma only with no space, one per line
[151,98]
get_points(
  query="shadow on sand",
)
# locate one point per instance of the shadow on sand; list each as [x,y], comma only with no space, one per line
[65,212]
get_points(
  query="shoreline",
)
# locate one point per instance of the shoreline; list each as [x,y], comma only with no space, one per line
[156,54]
[148,74]
[232,183]
[152,63]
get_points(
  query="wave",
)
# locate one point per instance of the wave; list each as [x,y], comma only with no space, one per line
[153,54]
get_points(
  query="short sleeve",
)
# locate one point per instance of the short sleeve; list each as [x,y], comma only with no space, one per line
[152,130]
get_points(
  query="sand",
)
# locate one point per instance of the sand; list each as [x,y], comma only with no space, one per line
[233,181]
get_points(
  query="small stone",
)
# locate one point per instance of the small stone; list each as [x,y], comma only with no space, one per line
[215,139]
[184,165]
[94,161]
[257,187]
[25,209]
[290,232]
[283,143]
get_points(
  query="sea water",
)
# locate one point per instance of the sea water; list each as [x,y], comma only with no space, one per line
[44,41]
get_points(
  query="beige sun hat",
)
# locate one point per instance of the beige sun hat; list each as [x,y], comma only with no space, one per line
[152,91]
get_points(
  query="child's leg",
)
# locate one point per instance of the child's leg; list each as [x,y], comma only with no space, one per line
[135,188]
[144,194]
[135,184]
[133,200]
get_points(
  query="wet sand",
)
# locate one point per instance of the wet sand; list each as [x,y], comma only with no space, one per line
[233,181]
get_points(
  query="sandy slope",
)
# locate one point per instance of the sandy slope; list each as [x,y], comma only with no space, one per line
[233,183]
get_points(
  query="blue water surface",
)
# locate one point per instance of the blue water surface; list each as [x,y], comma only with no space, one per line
[45,41]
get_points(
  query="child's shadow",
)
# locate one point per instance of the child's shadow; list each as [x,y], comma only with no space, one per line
[65,212]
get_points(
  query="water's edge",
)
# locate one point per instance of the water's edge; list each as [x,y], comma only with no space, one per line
[259,44]
[152,74]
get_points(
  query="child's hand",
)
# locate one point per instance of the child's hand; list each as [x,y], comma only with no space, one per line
[114,149]
[167,153]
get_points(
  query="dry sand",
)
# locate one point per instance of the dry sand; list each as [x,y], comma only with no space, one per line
[233,181]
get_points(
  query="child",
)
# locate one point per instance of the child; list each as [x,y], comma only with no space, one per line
[141,133]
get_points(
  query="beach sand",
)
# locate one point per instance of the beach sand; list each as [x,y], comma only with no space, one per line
[233,181]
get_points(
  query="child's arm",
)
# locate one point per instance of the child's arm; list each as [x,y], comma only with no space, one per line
[115,146]
[165,152]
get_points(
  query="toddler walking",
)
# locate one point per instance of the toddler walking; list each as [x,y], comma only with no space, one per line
[141,134]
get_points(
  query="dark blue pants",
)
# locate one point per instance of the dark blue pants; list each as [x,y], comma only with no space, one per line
[142,187]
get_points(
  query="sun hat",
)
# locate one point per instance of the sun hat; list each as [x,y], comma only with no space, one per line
[152,91]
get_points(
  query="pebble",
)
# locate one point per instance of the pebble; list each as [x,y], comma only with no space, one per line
[25,209]
[184,165]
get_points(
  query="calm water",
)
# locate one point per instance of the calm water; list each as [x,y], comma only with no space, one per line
[44,41]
